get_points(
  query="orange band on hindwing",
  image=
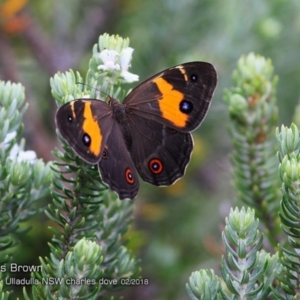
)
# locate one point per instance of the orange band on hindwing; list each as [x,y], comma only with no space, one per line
[169,103]
[91,127]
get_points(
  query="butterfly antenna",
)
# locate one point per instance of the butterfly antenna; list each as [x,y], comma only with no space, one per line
[97,90]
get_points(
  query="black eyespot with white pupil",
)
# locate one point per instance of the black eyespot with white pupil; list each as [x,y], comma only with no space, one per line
[194,77]
[70,119]
[86,140]
[186,106]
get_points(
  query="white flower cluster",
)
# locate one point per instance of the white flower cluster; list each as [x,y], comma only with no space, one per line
[16,152]
[113,61]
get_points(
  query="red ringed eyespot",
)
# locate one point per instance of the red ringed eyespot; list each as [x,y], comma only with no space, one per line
[128,176]
[156,166]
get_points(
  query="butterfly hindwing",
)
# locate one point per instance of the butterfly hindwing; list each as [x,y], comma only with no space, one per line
[116,166]
[161,154]
[178,97]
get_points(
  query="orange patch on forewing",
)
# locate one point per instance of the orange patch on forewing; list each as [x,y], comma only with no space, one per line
[91,127]
[169,103]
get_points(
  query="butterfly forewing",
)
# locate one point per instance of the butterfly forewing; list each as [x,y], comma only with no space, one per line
[178,97]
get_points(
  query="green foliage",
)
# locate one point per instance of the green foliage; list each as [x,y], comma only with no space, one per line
[249,272]
[289,170]
[4,295]
[204,284]
[73,277]
[23,179]
[252,106]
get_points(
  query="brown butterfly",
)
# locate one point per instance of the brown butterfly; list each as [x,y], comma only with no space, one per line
[148,134]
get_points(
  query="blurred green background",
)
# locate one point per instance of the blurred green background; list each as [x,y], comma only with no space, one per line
[176,230]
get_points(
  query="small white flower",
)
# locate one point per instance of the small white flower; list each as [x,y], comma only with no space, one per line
[28,155]
[14,151]
[126,55]
[125,59]
[129,77]
[9,137]
[17,153]
[109,58]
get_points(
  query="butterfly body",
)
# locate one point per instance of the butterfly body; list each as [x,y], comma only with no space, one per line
[148,134]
